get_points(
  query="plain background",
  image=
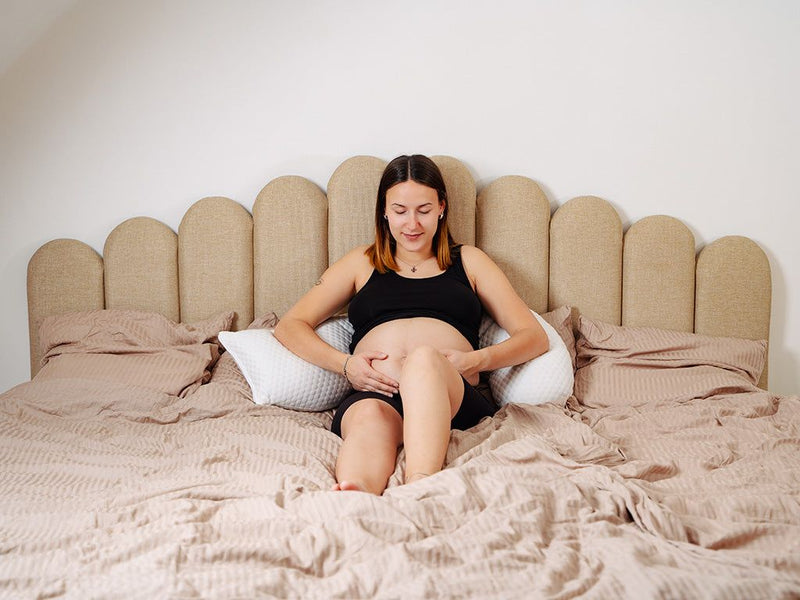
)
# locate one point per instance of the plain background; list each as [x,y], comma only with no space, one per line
[112,109]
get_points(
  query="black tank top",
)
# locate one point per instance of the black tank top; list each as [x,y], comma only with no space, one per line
[448,297]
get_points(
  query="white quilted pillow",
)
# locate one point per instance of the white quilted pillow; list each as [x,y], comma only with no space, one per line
[546,378]
[279,377]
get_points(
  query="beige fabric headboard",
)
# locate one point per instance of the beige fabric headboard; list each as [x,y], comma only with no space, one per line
[223,257]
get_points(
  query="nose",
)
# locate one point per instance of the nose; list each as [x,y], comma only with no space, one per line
[412,219]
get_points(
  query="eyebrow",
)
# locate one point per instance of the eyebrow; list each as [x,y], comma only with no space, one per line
[404,206]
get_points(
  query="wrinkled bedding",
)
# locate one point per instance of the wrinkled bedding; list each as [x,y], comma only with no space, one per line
[119,491]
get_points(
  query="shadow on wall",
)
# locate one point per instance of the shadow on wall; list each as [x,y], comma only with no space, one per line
[782,359]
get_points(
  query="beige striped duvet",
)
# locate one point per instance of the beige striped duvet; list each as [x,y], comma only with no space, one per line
[115,491]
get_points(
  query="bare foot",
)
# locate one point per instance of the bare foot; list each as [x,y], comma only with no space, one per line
[347,486]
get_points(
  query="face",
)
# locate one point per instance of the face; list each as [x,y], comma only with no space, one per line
[413,210]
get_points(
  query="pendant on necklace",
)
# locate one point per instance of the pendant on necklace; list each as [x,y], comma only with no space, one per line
[413,269]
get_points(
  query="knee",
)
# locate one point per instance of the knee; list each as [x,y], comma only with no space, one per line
[370,414]
[422,363]
[422,357]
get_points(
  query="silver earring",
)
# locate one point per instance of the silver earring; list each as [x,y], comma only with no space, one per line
[386,217]
[441,216]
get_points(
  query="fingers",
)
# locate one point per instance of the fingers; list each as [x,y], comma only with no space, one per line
[381,384]
[365,378]
[384,382]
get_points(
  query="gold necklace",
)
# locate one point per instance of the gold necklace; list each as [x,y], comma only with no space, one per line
[413,267]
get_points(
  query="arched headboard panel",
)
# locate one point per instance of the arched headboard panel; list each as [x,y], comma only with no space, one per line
[461,195]
[586,258]
[658,265]
[215,261]
[351,204]
[140,257]
[734,291]
[287,209]
[513,227]
[63,276]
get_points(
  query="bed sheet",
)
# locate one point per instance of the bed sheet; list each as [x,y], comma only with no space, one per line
[117,491]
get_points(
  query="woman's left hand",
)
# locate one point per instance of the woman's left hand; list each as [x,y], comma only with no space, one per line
[466,363]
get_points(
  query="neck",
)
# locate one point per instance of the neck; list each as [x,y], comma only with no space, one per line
[413,258]
[413,263]
[404,253]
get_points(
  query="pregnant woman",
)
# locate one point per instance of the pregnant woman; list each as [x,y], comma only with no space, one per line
[416,302]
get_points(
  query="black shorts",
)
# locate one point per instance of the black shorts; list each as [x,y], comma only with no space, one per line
[476,404]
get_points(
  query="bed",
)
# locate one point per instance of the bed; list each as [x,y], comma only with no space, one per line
[136,464]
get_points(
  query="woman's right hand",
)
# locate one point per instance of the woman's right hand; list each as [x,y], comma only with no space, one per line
[364,378]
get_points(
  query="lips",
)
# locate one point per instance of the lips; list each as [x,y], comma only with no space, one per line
[412,237]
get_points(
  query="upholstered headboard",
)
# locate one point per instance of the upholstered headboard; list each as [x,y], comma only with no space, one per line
[223,257]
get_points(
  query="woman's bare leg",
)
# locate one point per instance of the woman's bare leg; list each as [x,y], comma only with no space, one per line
[432,390]
[372,431]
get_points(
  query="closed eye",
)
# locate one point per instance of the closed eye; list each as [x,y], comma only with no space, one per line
[424,209]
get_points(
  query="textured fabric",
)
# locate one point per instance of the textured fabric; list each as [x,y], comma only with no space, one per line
[734,291]
[634,365]
[284,266]
[562,320]
[215,261]
[546,378]
[586,258]
[513,228]
[281,378]
[461,194]
[352,190]
[131,347]
[140,257]
[658,275]
[116,492]
[64,276]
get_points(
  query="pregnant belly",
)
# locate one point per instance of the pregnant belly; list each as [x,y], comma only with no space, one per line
[400,337]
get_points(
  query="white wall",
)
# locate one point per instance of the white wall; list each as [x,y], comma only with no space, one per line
[686,108]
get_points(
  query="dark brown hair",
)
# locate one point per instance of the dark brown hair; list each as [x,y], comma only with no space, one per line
[424,171]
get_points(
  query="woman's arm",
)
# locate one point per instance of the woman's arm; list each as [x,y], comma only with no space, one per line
[527,337]
[295,329]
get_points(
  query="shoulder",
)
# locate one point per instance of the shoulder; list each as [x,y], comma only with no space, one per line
[477,264]
[355,266]
[473,256]
[359,252]
[349,267]
[355,258]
